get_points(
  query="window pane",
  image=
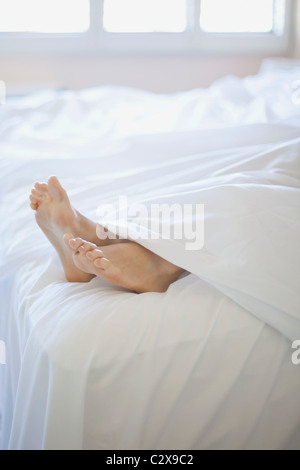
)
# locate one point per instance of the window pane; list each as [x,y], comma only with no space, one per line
[44,16]
[144,16]
[237,16]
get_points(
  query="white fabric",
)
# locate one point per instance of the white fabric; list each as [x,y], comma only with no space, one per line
[206,364]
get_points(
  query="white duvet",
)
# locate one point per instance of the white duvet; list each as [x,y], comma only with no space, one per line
[206,365]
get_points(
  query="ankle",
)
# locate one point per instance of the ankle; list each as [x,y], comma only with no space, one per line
[85,228]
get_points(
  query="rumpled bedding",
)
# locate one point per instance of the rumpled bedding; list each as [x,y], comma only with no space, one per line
[206,365]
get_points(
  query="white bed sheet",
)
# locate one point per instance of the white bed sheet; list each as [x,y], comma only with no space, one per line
[93,366]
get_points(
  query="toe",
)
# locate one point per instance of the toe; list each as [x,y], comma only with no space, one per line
[38,194]
[33,199]
[102,263]
[55,189]
[67,237]
[34,206]
[75,243]
[94,254]
[41,187]
[72,243]
[86,247]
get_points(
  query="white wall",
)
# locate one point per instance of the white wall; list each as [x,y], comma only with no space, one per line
[155,73]
[158,74]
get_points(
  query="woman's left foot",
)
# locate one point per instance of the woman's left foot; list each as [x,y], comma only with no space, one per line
[55,216]
[127,265]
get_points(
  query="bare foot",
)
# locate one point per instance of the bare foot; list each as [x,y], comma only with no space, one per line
[55,216]
[127,265]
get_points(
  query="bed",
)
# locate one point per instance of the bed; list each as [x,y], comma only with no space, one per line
[205,365]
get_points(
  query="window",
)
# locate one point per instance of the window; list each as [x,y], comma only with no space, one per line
[40,16]
[145,25]
[245,19]
[145,16]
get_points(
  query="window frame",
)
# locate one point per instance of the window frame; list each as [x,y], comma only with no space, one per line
[192,41]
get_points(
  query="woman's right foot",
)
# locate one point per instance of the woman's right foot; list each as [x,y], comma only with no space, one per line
[127,265]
